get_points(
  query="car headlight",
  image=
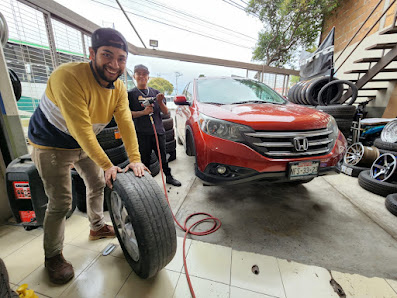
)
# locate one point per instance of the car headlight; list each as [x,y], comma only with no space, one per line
[333,126]
[223,129]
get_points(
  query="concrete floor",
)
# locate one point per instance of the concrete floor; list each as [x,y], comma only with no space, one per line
[330,222]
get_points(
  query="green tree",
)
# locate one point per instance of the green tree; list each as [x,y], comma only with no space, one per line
[288,25]
[162,85]
[293,80]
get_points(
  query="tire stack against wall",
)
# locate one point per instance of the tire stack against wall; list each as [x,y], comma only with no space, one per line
[110,141]
[381,178]
[170,142]
[326,97]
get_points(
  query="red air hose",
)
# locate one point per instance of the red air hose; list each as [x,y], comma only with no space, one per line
[215,227]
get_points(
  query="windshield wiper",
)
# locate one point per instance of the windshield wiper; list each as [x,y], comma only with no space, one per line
[213,103]
[248,101]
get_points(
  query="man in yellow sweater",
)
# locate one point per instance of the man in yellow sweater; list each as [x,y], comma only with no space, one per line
[79,101]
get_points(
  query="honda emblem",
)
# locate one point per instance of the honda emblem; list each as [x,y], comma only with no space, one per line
[301,144]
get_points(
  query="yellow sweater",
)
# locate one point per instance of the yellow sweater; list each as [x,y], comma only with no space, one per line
[75,107]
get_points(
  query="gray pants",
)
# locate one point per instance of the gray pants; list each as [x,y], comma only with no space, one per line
[54,169]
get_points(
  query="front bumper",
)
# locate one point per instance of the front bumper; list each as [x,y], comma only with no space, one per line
[246,175]
[244,164]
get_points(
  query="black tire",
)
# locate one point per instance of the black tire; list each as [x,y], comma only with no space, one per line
[149,217]
[169,135]
[344,126]
[112,123]
[315,87]
[290,93]
[378,143]
[16,84]
[124,164]
[339,111]
[336,99]
[165,116]
[154,168]
[170,146]
[168,124]
[153,158]
[391,203]
[171,156]
[106,138]
[297,93]
[351,170]
[117,155]
[375,186]
[303,93]
[382,151]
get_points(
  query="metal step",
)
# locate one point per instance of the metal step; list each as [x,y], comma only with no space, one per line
[370,88]
[382,46]
[370,60]
[369,96]
[366,70]
[390,30]
[377,80]
[367,60]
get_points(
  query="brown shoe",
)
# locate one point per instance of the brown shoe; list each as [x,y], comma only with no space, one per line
[105,232]
[59,270]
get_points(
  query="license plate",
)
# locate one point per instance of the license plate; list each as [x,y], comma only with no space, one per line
[303,169]
[346,170]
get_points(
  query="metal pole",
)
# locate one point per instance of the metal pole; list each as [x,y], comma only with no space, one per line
[51,39]
[131,23]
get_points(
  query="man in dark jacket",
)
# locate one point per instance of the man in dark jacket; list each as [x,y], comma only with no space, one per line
[143,125]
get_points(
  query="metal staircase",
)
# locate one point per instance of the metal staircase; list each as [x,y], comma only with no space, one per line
[376,65]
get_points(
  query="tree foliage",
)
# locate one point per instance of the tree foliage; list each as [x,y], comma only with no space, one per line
[162,85]
[288,25]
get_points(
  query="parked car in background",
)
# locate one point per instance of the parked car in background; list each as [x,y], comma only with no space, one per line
[240,130]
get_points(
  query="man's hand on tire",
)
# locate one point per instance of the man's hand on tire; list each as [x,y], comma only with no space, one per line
[110,175]
[138,168]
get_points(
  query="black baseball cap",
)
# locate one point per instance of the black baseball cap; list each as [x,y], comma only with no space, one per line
[108,37]
[141,67]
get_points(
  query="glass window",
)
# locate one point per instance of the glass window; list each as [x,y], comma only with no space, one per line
[189,92]
[235,91]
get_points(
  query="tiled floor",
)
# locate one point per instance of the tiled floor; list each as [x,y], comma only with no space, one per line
[216,271]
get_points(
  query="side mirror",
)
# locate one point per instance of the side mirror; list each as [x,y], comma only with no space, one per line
[180,100]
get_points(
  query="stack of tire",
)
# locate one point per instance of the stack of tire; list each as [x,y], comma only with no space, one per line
[111,143]
[170,142]
[381,179]
[325,95]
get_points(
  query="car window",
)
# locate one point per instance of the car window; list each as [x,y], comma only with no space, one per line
[189,92]
[235,91]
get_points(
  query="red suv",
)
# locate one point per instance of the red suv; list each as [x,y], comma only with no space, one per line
[240,130]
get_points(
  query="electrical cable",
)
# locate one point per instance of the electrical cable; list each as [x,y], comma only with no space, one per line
[215,227]
[174,26]
[193,18]
[238,6]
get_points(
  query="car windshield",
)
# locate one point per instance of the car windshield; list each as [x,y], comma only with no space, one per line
[236,91]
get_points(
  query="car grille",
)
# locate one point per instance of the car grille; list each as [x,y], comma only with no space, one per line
[277,144]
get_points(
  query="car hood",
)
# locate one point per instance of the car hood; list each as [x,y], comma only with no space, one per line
[266,116]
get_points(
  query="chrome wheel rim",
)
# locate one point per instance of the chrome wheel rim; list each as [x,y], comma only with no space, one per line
[124,226]
[384,167]
[389,132]
[354,154]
